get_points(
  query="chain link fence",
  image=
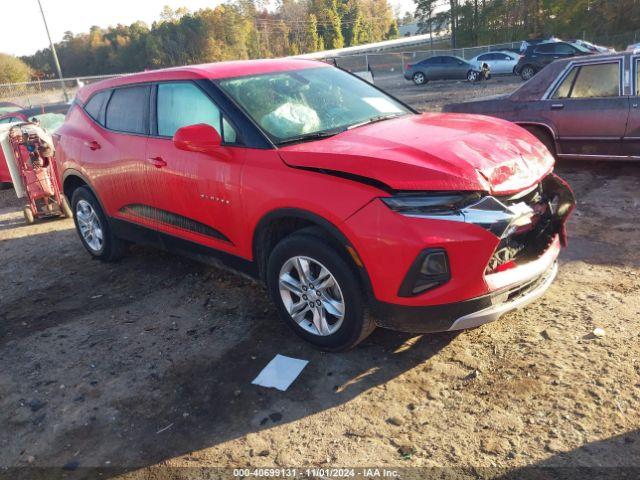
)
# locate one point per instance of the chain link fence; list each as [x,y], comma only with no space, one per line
[394,63]
[33,94]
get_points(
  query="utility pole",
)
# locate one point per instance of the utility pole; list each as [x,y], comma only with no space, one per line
[453,13]
[55,55]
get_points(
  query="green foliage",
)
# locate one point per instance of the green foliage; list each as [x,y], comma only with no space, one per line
[238,29]
[13,70]
[393,30]
[479,22]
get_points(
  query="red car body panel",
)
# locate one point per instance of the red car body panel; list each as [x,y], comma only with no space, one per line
[232,190]
[433,152]
[5,176]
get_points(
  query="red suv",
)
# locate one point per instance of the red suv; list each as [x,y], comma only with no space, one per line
[354,209]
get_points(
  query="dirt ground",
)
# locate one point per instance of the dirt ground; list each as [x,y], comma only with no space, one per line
[147,363]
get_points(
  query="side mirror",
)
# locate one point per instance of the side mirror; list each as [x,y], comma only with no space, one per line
[201,138]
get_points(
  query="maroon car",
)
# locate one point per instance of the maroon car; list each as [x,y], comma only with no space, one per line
[583,108]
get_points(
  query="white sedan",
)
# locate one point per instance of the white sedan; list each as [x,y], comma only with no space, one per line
[499,62]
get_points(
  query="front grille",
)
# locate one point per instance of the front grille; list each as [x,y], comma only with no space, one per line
[528,243]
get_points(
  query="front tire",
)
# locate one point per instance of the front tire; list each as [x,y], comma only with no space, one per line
[472,76]
[317,293]
[93,227]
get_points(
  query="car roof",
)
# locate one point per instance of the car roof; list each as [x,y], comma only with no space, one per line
[506,52]
[208,71]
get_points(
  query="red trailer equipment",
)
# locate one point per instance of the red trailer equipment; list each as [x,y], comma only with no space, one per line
[34,156]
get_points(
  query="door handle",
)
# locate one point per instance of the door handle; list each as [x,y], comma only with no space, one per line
[157,162]
[93,145]
[557,106]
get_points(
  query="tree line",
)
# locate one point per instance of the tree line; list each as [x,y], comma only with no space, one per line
[238,29]
[243,29]
[482,22]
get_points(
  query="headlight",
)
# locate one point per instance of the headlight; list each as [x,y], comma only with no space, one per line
[484,211]
[431,203]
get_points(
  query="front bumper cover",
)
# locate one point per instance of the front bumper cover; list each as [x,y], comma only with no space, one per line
[524,285]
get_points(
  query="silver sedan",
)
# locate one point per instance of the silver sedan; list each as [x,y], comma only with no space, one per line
[500,63]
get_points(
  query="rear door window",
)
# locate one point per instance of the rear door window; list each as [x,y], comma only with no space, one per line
[127,110]
[591,81]
[182,104]
[545,48]
[563,49]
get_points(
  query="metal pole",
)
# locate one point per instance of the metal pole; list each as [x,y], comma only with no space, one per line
[55,55]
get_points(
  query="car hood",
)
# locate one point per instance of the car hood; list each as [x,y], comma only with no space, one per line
[431,152]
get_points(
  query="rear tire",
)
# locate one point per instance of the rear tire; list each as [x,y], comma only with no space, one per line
[527,72]
[93,227]
[419,78]
[346,320]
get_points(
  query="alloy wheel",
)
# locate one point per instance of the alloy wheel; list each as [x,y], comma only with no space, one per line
[528,73]
[418,78]
[311,295]
[472,76]
[89,225]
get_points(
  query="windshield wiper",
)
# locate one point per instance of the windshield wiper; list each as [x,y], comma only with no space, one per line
[378,118]
[312,136]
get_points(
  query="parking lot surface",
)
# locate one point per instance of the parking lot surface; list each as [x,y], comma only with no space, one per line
[149,361]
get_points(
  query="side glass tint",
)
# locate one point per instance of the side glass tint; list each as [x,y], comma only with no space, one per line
[127,110]
[94,107]
[564,89]
[182,104]
[597,81]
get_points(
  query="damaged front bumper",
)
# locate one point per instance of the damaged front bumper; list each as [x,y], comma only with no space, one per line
[525,284]
[531,227]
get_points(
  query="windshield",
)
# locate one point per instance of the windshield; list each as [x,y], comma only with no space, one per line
[49,121]
[581,48]
[309,103]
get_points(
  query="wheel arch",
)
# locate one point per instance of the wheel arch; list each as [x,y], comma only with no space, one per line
[546,129]
[280,223]
[72,180]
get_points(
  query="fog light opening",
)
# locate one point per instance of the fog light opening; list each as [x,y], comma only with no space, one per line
[429,270]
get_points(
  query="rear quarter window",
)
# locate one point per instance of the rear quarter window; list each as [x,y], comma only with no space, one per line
[95,106]
[127,110]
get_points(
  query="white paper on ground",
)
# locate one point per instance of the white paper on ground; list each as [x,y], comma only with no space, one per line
[280,372]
